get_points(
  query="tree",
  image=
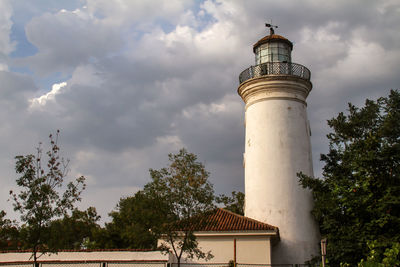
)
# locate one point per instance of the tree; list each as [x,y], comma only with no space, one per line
[357,203]
[234,203]
[134,223]
[9,233]
[75,231]
[42,196]
[182,191]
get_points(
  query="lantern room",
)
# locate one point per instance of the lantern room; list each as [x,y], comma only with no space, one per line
[273,48]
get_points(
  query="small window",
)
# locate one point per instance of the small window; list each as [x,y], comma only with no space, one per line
[273,45]
[264,52]
[282,58]
[273,52]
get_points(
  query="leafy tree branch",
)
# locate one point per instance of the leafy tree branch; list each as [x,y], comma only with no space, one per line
[41,197]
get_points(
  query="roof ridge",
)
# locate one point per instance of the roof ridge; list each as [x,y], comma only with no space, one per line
[246,218]
[220,219]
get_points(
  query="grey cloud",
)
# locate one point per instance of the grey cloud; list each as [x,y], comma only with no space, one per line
[133,98]
[65,40]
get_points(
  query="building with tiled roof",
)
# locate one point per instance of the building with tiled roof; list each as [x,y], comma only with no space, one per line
[232,237]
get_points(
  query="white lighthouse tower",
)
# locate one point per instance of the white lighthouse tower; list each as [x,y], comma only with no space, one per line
[277,147]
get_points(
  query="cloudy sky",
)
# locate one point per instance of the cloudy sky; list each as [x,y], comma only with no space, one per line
[128,82]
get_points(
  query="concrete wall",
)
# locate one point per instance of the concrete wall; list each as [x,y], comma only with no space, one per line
[88,258]
[249,249]
[277,147]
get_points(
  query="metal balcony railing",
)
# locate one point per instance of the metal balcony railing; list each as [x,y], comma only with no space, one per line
[275,68]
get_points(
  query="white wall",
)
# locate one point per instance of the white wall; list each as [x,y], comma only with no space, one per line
[252,250]
[277,147]
[88,256]
[249,249]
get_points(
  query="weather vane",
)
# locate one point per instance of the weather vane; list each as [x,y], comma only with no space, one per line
[271,28]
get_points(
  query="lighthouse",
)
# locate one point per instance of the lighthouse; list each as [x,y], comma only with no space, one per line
[277,147]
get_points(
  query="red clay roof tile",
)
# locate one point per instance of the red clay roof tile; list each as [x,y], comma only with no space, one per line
[224,220]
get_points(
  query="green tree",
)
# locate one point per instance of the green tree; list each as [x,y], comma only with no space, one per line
[358,200]
[183,192]
[134,223]
[390,257]
[42,196]
[9,233]
[74,231]
[234,203]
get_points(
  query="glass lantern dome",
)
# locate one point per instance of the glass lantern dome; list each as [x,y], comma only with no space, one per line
[273,55]
[273,48]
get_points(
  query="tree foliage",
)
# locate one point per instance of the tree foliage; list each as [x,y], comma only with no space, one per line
[9,233]
[234,203]
[42,196]
[183,191]
[74,231]
[134,223]
[176,193]
[358,200]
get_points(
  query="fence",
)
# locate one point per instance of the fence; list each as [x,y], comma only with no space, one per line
[275,68]
[201,265]
[275,265]
[88,264]
[146,264]
[240,265]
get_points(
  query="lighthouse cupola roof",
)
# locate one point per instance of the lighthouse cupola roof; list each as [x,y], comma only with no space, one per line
[273,48]
[273,56]
[272,38]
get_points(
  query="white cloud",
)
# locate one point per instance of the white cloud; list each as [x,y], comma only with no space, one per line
[388,6]
[87,75]
[124,12]
[6,45]
[3,66]
[42,100]
[68,39]
[6,11]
